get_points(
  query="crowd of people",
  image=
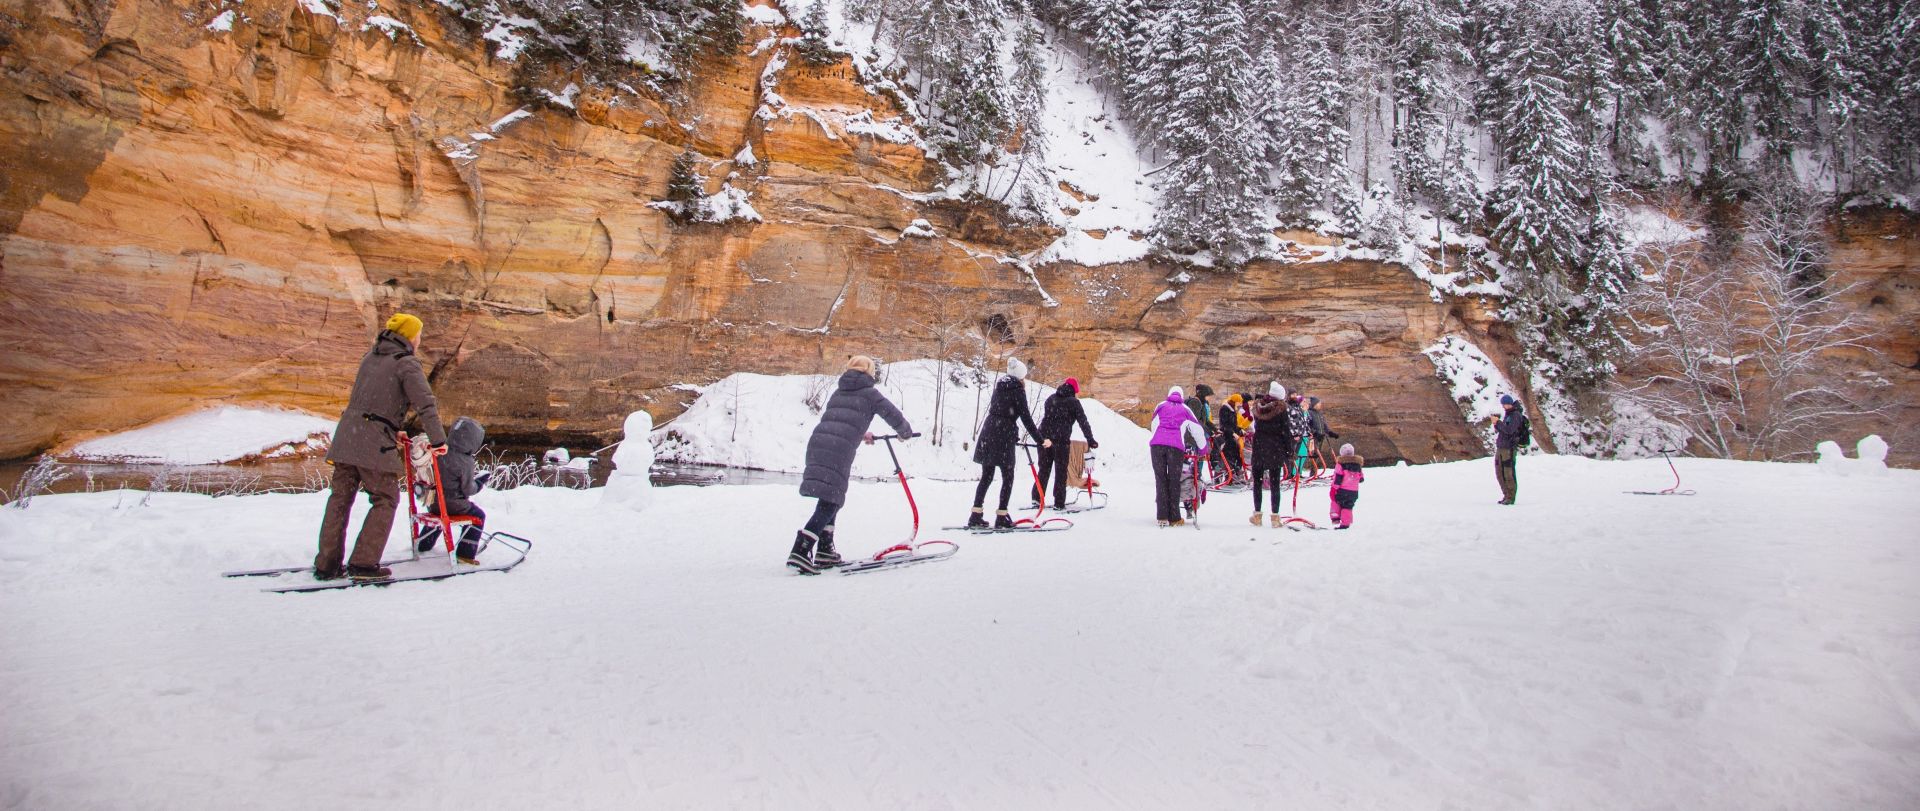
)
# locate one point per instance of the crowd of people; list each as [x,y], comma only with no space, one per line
[1266,441]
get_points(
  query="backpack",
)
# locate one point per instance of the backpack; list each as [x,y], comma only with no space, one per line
[1526,432]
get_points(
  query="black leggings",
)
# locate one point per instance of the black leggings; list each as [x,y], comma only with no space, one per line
[821,524]
[986,478]
[1271,473]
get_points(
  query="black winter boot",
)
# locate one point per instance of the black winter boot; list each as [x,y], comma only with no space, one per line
[976,521]
[801,558]
[824,557]
[429,538]
[1002,520]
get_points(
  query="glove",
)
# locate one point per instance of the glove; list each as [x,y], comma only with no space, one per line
[1092,445]
[1332,434]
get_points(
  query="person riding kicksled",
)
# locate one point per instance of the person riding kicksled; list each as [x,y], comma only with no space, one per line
[830,451]
[365,453]
[1006,413]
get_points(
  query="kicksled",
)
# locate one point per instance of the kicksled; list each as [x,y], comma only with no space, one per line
[911,551]
[491,551]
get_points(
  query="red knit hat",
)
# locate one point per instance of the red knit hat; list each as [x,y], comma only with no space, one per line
[1073,384]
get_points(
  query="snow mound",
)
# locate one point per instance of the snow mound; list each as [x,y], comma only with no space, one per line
[763,422]
[1871,461]
[213,436]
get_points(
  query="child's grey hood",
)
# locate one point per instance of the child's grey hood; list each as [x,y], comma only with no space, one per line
[466,436]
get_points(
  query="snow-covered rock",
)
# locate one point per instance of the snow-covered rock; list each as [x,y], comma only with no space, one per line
[213,436]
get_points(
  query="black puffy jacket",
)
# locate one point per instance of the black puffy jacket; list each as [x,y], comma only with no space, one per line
[1063,412]
[843,425]
[1001,430]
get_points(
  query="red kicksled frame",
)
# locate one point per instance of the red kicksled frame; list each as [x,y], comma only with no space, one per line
[906,552]
[417,519]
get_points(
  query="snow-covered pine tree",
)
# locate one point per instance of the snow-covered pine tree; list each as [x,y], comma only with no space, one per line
[1027,102]
[1767,79]
[685,186]
[1210,186]
[814,46]
[1151,57]
[1543,205]
[1309,157]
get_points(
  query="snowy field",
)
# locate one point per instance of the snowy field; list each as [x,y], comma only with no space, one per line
[1756,646]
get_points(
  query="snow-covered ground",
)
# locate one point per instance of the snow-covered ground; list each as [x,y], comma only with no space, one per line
[212,436]
[1755,646]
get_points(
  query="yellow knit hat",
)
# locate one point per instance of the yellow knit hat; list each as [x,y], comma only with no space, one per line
[407,325]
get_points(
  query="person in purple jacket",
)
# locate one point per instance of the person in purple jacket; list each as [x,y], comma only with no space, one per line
[1168,447]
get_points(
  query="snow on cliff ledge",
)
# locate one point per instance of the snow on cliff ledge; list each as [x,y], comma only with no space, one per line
[763,422]
[213,436]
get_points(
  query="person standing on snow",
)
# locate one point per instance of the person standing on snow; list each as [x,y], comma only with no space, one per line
[1006,413]
[1056,431]
[1348,473]
[1272,445]
[1203,411]
[1512,431]
[365,455]
[1231,428]
[1300,431]
[830,451]
[1317,425]
[1169,454]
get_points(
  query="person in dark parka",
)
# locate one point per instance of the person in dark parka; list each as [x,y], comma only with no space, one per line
[1056,427]
[1512,432]
[459,481]
[1272,445]
[364,453]
[1006,413]
[830,451]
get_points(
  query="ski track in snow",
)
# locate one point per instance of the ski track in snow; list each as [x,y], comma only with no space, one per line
[1756,646]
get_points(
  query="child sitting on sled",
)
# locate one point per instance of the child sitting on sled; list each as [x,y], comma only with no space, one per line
[1347,476]
[459,481]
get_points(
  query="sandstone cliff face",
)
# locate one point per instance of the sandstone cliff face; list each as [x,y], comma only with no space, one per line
[191,216]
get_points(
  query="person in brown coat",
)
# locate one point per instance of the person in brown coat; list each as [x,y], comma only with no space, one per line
[364,454]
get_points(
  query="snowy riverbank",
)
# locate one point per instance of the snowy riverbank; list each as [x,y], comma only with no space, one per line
[1755,646]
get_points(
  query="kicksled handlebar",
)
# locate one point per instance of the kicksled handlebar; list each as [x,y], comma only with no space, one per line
[890,437]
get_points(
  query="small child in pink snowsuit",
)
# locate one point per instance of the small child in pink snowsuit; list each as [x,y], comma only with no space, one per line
[1346,485]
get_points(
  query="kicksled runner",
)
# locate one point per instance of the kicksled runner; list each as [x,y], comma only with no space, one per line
[510,551]
[1033,523]
[908,552]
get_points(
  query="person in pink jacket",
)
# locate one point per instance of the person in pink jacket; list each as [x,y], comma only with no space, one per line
[1168,446]
[1347,476]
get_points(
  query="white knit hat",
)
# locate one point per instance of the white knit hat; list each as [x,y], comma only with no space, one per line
[1016,368]
[1277,391]
[1176,390]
